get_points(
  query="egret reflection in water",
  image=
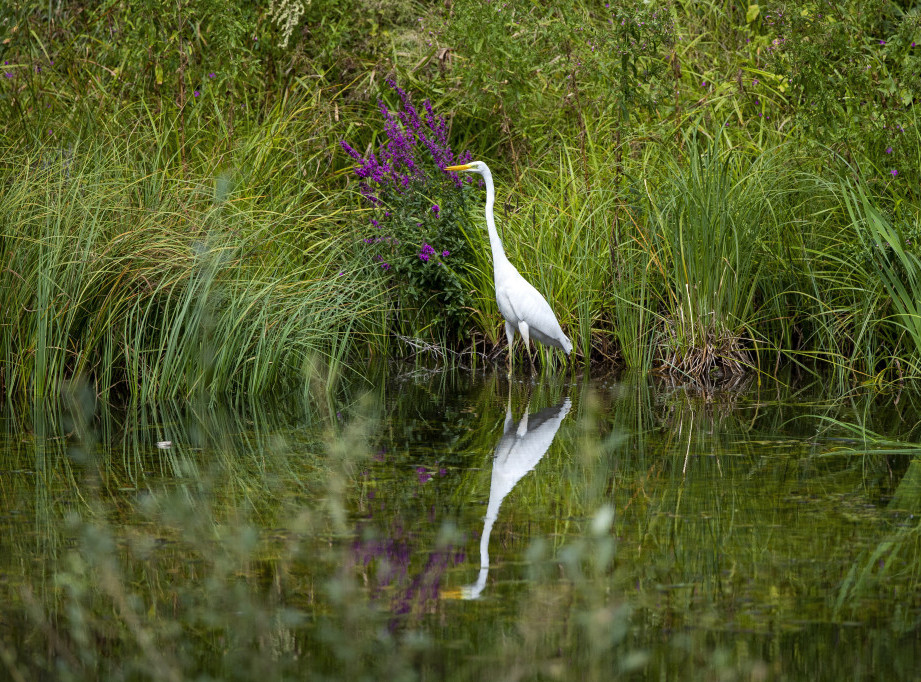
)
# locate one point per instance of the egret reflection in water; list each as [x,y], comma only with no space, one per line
[519,450]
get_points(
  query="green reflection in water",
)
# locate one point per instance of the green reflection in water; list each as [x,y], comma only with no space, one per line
[448,525]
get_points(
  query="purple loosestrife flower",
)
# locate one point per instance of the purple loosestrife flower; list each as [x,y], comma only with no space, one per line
[408,116]
[445,253]
[888,150]
[427,252]
[398,149]
[368,194]
[435,210]
[350,150]
[893,172]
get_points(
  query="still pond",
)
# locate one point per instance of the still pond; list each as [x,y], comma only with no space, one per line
[421,524]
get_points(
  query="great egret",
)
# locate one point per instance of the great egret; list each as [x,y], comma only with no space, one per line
[522,306]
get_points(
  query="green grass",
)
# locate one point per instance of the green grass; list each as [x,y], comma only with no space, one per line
[157,286]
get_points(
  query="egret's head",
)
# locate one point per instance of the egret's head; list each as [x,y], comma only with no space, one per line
[472,167]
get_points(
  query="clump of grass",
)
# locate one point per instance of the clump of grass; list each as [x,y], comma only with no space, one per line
[705,223]
[153,286]
[893,259]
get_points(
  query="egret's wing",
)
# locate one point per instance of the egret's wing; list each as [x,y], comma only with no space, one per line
[528,305]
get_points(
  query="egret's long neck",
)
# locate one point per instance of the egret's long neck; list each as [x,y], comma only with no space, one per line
[498,253]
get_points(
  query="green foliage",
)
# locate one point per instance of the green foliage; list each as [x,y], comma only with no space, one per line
[627,56]
[529,62]
[852,69]
[504,50]
[600,122]
[423,257]
[895,260]
[129,51]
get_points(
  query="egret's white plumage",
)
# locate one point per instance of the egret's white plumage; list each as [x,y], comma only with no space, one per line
[522,306]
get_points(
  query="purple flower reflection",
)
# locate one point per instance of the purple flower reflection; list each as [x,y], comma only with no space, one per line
[391,563]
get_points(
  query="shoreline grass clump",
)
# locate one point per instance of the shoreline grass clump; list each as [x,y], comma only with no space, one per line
[708,223]
[152,287]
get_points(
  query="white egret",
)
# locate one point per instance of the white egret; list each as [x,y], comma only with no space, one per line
[522,306]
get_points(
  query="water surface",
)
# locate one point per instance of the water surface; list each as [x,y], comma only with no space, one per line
[424,524]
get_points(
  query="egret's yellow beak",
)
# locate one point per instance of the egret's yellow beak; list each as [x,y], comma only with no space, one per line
[456,593]
[463,166]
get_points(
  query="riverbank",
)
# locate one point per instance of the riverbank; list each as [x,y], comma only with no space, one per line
[170,228]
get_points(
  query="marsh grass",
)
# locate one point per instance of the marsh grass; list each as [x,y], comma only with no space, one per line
[892,259]
[161,286]
[157,277]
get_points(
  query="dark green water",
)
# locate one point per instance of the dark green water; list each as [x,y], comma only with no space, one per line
[449,525]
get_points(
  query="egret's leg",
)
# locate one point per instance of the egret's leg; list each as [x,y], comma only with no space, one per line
[524,330]
[510,334]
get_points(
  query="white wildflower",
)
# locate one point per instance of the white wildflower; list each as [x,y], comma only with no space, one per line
[286,14]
